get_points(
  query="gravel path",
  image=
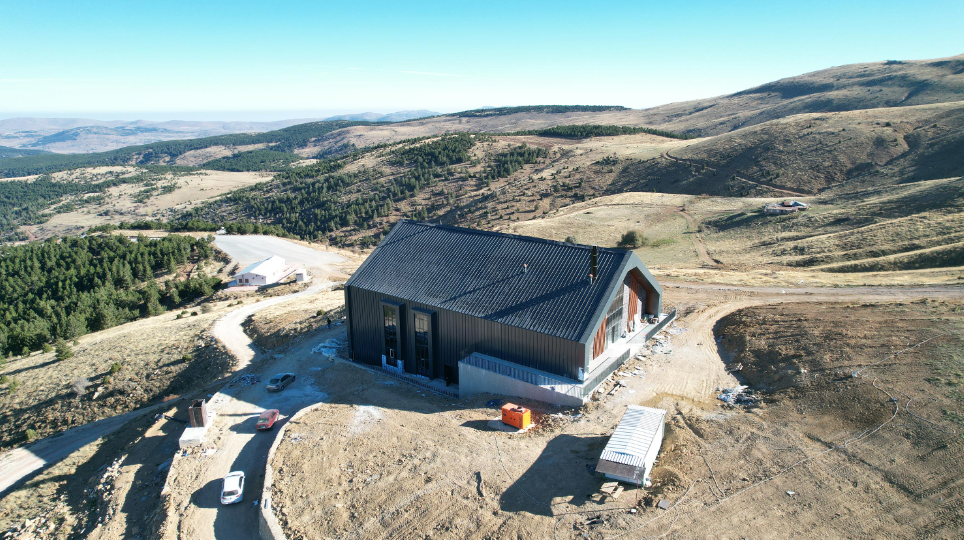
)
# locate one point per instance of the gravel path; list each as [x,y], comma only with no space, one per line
[23,462]
[248,249]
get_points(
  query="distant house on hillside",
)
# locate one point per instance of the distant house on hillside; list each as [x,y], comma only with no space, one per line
[786,207]
[266,272]
[499,313]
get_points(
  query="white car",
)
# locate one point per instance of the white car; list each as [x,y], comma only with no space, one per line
[232,488]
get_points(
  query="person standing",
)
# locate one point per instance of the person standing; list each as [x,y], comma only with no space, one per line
[329,323]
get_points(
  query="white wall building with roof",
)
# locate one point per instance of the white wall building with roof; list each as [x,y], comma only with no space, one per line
[632,449]
[266,272]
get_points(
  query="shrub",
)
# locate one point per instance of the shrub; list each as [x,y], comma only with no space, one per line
[4,379]
[30,435]
[63,350]
[115,367]
[107,379]
[179,316]
[187,357]
[320,313]
[47,347]
[14,384]
[571,240]
[632,239]
[194,313]
[206,308]
[25,352]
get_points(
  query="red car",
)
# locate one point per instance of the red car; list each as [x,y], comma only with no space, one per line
[267,419]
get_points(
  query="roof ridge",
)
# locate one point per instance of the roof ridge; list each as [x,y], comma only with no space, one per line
[521,237]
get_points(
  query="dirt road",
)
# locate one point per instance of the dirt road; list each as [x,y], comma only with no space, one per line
[698,239]
[691,374]
[235,443]
[228,328]
[23,462]
[738,177]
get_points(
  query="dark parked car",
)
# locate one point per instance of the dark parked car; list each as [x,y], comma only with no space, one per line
[267,419]
[280,381]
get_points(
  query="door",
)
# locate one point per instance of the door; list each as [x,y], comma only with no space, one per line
[390,318]
[423,345]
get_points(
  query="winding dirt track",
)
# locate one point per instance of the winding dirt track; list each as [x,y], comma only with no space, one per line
[738,177]
[698,239]
[20,463]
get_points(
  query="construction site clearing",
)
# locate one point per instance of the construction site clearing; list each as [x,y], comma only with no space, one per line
[849,432]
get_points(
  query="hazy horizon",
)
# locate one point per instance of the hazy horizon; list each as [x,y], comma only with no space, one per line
[194,116]
[259,62]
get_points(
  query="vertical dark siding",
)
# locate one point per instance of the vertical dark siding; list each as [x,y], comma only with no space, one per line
[454,335]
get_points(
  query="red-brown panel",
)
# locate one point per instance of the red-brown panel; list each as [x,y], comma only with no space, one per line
[599,342]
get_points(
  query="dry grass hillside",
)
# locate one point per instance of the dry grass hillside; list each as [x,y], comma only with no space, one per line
[843,88]
[111,372]
[813,153]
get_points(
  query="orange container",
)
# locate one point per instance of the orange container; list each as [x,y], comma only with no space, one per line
[516,416]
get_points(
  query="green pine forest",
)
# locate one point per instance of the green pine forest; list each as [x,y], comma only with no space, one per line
[315,202]
[65,288]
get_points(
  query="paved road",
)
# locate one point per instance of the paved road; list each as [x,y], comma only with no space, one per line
[248,249]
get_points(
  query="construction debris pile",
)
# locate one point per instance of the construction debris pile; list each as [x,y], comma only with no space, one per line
[328,348]
[738,395]
[245,380]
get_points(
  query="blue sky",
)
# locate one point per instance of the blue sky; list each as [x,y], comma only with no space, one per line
[271,60]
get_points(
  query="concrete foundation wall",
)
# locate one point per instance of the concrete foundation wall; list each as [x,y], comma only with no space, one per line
[268,524]
[473,380]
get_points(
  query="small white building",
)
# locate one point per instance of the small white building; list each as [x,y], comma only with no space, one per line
[302,276]
[266,272]
[632,449]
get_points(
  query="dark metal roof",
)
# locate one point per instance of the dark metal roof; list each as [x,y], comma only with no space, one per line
[480,273]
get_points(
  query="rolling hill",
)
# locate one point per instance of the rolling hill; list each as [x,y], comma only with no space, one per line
[843,136]
[84,135]
[844,88]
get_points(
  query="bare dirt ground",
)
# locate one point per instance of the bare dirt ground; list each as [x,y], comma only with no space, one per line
[151,355]
[191,502]
[279,325]
[763,250]
[387,460]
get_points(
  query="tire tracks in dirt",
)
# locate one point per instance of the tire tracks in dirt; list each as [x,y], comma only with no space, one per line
[767,185]
[704,255]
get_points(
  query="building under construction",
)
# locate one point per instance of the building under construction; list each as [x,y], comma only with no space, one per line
[509,312]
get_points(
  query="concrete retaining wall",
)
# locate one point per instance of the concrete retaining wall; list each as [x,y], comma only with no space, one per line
[473,380]
[267,522]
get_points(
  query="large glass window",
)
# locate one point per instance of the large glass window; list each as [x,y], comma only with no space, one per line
[390,314]
[422,344]
[614,319]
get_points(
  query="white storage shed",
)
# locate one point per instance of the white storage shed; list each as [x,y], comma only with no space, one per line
[266,272]
[632,449]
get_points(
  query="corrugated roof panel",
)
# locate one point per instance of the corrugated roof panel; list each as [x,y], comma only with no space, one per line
[634,435]
[480,273]
[268,267]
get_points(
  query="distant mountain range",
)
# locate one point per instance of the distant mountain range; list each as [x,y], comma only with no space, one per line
[29,136]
